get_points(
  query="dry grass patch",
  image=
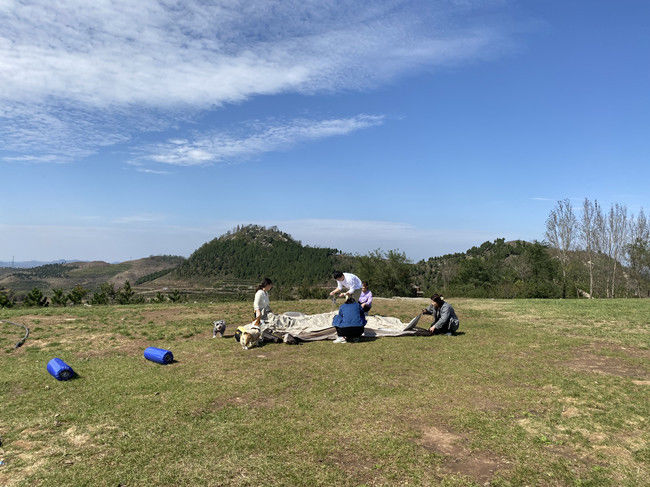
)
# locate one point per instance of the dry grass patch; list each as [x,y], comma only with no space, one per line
[458,458]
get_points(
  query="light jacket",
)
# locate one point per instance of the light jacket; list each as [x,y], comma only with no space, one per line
[445,315]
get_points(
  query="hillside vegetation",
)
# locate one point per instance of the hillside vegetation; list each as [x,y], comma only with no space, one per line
[90,275]
[252,252]
[231,265]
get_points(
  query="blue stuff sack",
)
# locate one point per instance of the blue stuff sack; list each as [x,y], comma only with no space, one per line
[59,369]
[159,355]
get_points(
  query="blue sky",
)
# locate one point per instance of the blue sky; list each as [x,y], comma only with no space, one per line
[136,128]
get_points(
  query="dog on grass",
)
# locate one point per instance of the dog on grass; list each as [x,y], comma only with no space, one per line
[218,328]
[250,336]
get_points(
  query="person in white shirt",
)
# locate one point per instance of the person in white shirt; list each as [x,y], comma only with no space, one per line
[262,304]
[350,281]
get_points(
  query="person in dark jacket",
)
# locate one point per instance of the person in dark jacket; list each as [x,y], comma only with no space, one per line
[445,320]
[350,322]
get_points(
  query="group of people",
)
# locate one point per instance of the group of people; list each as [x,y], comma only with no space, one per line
[351,318]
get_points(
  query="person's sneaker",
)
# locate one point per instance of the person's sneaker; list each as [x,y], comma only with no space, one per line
[340,340]
[448,333]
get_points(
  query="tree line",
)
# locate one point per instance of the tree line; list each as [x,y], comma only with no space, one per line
[589,253]
[602,253]
[107,293]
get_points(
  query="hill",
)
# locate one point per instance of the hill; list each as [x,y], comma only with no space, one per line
[233,263]
[90,275]
[252,252]
[520,269]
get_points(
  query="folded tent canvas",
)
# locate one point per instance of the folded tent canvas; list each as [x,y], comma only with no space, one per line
[319,326]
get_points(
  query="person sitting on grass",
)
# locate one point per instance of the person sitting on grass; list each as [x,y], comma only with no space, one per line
[365,299]
[350,322]
[445,319]
[261,303]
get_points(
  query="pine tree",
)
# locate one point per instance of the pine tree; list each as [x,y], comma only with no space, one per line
[35,298]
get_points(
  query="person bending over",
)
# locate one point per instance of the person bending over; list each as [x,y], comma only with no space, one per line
[445,320]
[262,304]
[350,281]
[365,299]
[350,322]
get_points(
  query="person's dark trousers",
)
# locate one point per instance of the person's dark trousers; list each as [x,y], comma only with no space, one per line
[349,331]
[441,331]
[366,308]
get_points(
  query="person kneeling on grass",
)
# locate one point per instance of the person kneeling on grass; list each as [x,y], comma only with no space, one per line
[350,321]
[445,319]
[365,300]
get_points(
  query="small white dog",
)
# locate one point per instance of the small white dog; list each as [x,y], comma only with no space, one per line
[218,328]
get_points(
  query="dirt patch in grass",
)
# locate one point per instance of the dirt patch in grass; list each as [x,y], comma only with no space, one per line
[602,364]
[610,359]
[459,459]
[76,437]
[356,465]
[607,347]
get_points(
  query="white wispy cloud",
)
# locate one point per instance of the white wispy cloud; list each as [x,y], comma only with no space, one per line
[223,146]
[77,76]
[151,171]
[143,218]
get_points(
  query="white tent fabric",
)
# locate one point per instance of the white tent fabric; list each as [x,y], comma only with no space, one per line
[319,326]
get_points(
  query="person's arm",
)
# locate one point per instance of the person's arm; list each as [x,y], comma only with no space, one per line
[428,310]
[363,316]
[444,318]
[369,298]
[256,304]
[338,288]
[338,319]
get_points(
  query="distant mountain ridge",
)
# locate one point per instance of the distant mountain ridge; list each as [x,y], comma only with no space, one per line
[28,264]
[232,264]
[87,274]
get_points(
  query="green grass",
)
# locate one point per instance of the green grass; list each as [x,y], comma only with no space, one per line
[533,393]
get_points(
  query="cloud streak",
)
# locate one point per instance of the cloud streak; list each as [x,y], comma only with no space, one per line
[76,76]
[218,146]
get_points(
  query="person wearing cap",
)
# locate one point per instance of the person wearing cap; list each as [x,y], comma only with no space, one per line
[445,319]
[349,281]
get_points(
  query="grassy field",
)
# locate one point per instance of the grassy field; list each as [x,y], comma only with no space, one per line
[533,393]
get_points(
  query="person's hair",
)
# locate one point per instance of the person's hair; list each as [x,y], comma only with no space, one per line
[437,299]
[365,283]
[350,300]
[337,274]
[265,282]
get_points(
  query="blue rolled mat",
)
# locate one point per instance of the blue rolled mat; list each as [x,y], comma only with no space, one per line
[159,355]
[59,369]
